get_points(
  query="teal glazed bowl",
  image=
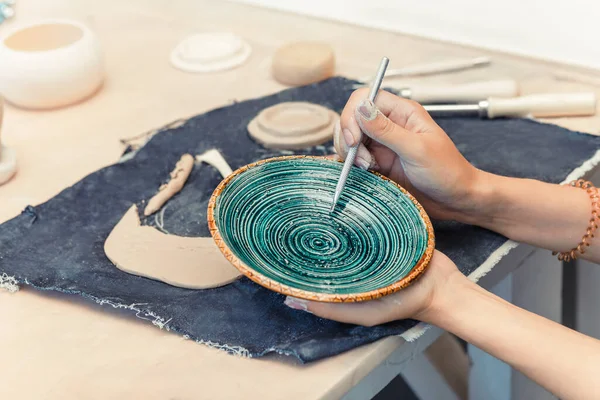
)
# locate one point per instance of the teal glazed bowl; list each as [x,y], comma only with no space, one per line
[272,220]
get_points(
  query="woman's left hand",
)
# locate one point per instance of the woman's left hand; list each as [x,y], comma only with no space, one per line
[414,301]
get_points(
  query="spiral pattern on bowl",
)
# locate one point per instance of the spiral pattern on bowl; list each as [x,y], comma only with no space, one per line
[275,217]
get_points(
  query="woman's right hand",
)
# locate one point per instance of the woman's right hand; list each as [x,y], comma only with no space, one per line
[403,142]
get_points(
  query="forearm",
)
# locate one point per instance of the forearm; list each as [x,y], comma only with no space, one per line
[561,360]
[554,217]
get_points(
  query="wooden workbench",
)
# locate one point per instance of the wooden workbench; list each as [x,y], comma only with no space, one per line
[58,347]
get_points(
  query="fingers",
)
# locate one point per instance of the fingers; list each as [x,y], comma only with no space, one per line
[364,159]
[393,122]
[363,313]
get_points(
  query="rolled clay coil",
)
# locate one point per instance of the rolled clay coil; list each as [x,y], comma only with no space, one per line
[303,63]
[293,126]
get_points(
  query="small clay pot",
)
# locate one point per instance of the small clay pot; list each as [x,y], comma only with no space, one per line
[50,64]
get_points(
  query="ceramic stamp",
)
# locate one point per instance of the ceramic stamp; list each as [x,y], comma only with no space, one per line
[303,63]
[50,64]
[210,52]
[271,220]
[8,157]
[293,126]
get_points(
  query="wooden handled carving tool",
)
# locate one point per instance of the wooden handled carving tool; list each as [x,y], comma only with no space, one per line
[352,150]
[537,105]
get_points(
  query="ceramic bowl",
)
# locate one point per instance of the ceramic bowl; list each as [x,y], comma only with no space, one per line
[49,64]
[272,220]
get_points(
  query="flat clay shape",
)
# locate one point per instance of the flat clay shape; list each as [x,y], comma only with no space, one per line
[192,263]
[210,52]
[303,63]
[293,126]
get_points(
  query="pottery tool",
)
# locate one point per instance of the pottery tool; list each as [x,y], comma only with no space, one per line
[537,105]
[352,150]
[454,93]
[435,68]
[459,93]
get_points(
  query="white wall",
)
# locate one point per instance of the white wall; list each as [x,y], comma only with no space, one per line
[561,30]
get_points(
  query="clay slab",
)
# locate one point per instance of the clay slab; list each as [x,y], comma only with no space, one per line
[293,125]
[193,263]
[210,52]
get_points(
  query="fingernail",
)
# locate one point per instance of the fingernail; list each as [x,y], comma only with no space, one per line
[296,304]
[362,163]
[348,137]
[367,110]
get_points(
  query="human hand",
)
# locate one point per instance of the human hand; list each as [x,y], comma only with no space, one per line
[403,142]
[416,301]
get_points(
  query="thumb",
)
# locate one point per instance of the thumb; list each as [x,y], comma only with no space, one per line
[383,130]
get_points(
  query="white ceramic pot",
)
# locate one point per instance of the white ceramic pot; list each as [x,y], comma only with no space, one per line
[50,64]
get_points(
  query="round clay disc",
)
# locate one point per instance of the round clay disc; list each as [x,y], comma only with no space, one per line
[210,52]
[293,126]
[303,63]
[8,163]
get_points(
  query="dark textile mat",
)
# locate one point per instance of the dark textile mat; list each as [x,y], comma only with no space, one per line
[58,245]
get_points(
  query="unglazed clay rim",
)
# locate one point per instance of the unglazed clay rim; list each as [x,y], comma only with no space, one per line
[85,33]
[418,269]
[234,61]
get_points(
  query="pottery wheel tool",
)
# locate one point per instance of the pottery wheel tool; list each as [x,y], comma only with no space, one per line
[352,151]
[537,105]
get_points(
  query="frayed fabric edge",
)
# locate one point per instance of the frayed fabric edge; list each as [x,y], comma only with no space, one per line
[586,167]
[146,315]
[9,283]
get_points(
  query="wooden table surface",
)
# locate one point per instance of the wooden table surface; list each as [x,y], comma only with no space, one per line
[58,347]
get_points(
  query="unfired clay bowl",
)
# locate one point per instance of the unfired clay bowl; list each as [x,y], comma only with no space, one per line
[271,219]
[49,64]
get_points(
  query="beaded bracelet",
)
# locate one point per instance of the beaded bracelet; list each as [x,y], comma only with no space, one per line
[592,226]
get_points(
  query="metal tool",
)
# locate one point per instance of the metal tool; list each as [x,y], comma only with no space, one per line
[537,105]
[352,150]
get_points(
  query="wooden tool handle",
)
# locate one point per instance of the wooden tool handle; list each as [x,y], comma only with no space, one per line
[544,105]
[464,93]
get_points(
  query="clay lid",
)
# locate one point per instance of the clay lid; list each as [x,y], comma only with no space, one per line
[210,52]
[293,125]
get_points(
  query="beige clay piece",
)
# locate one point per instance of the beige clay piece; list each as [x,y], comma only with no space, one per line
[293,125]
[303,63]
[187,262]
[179,176]
[8,157]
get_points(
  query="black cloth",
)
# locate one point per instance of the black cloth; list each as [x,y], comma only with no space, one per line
[58,245]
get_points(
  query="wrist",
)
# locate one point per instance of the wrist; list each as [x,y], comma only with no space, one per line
[483,200]
[444,298]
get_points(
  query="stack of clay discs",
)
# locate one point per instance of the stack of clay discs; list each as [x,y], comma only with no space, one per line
[293,125]
[303,63]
